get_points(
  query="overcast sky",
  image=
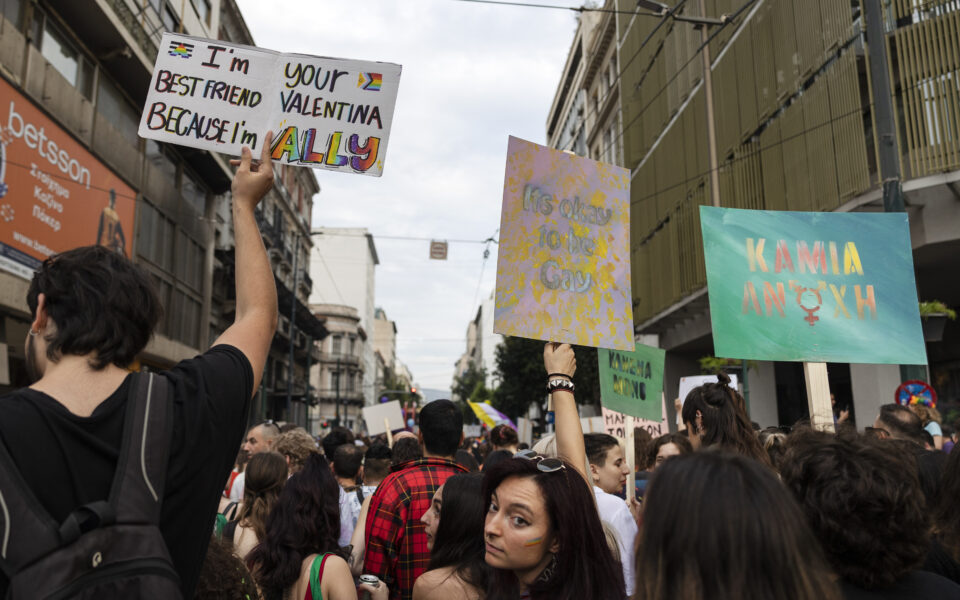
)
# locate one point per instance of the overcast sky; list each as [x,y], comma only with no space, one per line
[472,75]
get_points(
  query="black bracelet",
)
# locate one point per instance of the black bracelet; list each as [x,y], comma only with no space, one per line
[552,375]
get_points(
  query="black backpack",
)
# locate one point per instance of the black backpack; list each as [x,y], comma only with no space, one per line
[105,549]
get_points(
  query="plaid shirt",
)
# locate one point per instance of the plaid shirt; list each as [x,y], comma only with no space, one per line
[396,543]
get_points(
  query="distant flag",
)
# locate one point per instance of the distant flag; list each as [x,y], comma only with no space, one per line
[181,49]
[489,415]
[370,81]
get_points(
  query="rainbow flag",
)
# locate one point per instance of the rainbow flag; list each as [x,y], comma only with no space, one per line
[370,81]
[181,49]
[489,415]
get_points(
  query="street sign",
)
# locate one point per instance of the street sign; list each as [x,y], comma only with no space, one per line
[438,250]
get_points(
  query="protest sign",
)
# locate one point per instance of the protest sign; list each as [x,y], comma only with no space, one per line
[563,269]
[375,415]
[655,428]
[631,382]
[525,430]
[592,424]
[815,287]
[326,113]
[615,423]
[472,431]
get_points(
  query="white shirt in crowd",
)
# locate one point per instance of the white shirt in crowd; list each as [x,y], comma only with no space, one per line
[614,512]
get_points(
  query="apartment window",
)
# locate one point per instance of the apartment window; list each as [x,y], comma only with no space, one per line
[335,381]
[170,20]
[66,58]
[203,10]
[155,235]
[353,345]
[189,261]
[336,343]
[12,11]
[161,161]
[112,105]
[194,193]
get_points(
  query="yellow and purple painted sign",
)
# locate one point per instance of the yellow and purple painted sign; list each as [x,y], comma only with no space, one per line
[563,269]
[326,113]
[814,287]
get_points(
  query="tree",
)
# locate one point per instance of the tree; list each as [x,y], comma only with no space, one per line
[470,385]
[523,380]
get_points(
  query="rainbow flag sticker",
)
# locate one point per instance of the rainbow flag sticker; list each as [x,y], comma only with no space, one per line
[370,81]
[181,49]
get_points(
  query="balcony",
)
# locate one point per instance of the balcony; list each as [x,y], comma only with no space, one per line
[342,357]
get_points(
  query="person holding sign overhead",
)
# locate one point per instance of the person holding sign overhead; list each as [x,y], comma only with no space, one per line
[544,538]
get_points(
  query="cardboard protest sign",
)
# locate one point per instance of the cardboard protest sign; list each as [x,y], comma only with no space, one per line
[592,424]
[692,381]
[614,423]
[563,270]
[631,382]
[374,416]
[816,287]
[326,113]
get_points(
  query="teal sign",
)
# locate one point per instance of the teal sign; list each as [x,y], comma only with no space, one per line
[813,287]
[631,382]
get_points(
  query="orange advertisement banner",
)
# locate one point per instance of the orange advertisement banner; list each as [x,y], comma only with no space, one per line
[54,195]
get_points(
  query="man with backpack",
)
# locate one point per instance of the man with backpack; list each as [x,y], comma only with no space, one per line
[109,480]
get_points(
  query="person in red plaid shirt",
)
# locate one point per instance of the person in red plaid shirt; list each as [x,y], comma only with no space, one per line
[396,542]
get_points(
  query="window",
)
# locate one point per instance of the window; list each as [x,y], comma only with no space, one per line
[112,105]
[353,345]
[335,381]
[66,59]
[12,11]
[203,10]
[336,342]
[161,161]
[194,194]
[170,20]
[155,233]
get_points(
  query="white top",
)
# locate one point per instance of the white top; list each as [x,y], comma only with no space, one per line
[346,519]
[614,512]
[236,490]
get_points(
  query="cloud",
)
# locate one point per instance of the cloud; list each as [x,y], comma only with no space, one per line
[472,75]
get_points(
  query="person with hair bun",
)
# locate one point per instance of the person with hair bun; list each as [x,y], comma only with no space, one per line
[715,415]
[503,437]
[266,474]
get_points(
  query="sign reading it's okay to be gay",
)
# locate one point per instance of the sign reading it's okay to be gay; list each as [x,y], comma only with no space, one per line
[563,268]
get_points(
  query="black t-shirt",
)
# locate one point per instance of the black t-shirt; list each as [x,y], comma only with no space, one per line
[69,460]
[916,585]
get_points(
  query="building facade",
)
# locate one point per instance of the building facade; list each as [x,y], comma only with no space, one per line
[338,376]
[481,346]
[795,130]
[343,267]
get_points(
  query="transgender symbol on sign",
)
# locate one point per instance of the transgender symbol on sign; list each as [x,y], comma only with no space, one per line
[800,290]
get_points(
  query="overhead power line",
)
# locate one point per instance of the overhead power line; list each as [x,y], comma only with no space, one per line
[577,9]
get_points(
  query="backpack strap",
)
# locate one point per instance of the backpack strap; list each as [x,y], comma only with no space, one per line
[360,493]
[316,574]
[137,491]
[27,531]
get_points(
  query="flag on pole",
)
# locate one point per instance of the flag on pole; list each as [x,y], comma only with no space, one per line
[489,415]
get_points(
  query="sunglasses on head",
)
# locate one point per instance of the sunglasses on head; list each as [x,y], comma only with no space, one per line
[544,464]
[271,422]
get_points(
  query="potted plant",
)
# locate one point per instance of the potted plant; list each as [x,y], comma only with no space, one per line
[712,365]
[934,317]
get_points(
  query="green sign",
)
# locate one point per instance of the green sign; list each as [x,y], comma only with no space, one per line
[814,287]
[631,382]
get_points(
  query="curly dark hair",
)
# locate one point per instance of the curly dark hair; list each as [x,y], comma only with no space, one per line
[99,302]
[305,521]
[223,576]
[724,419]
[946,517]
[678,440]
[863,500]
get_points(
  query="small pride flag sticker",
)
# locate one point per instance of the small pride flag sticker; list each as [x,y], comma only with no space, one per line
[181,49]
[370,81]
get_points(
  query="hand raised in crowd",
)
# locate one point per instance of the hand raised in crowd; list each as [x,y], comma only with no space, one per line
[253,180]
[559,359]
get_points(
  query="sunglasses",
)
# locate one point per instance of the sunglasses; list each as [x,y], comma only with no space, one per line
[544,464]
[271,422]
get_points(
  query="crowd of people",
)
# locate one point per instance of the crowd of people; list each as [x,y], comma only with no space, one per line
[722,510]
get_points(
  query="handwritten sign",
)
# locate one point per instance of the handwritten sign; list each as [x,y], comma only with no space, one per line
[815,287]
[563,269]
[631,382]
[326,113]
[377,416]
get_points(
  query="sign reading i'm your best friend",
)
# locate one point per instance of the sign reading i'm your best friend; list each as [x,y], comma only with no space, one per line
[563,269]
[326,113]
[814,287]
[632,382]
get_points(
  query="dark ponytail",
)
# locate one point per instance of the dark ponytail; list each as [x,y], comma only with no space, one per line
[723,416]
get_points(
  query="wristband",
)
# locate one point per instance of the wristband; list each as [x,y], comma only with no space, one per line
[559,384]
[552,375]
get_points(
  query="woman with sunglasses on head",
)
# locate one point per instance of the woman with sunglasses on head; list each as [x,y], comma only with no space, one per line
[544,538]
[454,527]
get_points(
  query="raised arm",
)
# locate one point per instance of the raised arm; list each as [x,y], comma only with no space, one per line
[560,363]
[256,314]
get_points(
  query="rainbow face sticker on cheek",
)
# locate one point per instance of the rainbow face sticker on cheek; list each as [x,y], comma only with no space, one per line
[533,542]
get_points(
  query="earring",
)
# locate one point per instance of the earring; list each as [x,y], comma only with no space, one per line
[34,333]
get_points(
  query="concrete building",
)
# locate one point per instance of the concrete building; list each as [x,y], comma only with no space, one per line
[284,219]
[339,374]
[385,339]
[482,345]
[585,116]
[794,131]
[343,267]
